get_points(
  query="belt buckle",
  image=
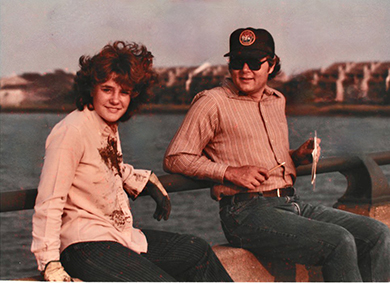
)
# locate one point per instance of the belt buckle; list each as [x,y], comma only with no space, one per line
[278,192]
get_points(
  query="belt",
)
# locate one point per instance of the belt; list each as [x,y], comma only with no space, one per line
[283,192]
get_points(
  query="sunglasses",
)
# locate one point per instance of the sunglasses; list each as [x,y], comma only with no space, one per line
[238,63]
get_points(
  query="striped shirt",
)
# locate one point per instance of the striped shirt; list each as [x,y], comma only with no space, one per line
[223,128]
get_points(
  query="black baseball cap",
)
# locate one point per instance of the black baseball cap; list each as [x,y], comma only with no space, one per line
[250,42]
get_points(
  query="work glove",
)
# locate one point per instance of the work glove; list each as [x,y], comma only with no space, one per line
[55,272]
[160,196]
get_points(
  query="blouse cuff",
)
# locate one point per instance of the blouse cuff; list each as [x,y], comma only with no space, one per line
[135,180]
[44,258]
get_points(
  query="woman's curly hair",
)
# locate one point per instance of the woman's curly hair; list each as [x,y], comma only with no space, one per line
[132,67]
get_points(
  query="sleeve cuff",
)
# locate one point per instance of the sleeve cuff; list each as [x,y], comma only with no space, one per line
[135,180]
[44,258]
[220,172]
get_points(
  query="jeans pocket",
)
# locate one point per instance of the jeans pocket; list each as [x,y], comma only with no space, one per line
[229,228]
[238,207]
[232,215]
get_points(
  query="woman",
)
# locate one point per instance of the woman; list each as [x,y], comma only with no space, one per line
[82,226]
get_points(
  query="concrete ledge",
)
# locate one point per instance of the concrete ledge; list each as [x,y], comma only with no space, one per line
[32,278]
[243,266]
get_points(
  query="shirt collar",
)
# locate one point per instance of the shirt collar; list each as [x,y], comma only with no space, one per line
[104,129]
[233,92]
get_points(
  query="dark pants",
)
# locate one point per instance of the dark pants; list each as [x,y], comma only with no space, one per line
[170,257]
[350,247]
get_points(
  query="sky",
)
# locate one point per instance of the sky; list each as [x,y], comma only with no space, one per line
[44,35]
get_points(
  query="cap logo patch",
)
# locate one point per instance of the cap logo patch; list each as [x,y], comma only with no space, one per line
[247,37]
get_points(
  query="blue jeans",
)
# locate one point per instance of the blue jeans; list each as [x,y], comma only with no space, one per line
[170,257]
[349,247]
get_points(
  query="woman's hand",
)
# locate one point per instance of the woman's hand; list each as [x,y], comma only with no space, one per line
[161,197]
[54,271]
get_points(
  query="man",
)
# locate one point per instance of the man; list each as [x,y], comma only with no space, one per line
[236,135]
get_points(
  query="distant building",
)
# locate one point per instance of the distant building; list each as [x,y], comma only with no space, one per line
[12,91]
[346,82]
[354,82]
[178,85]
[379,84]
[207,78]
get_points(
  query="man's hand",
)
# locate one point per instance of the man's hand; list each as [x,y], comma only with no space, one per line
[248,176]
[161,197]
[302,155]
[55,272]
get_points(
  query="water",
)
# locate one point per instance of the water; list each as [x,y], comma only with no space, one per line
[144,140]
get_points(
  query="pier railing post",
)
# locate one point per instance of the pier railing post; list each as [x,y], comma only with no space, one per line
[368,191]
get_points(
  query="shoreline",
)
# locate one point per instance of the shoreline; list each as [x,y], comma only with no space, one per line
[338,110]
[291,110]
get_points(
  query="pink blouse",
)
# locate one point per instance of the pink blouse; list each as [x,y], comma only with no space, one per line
[81,194]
